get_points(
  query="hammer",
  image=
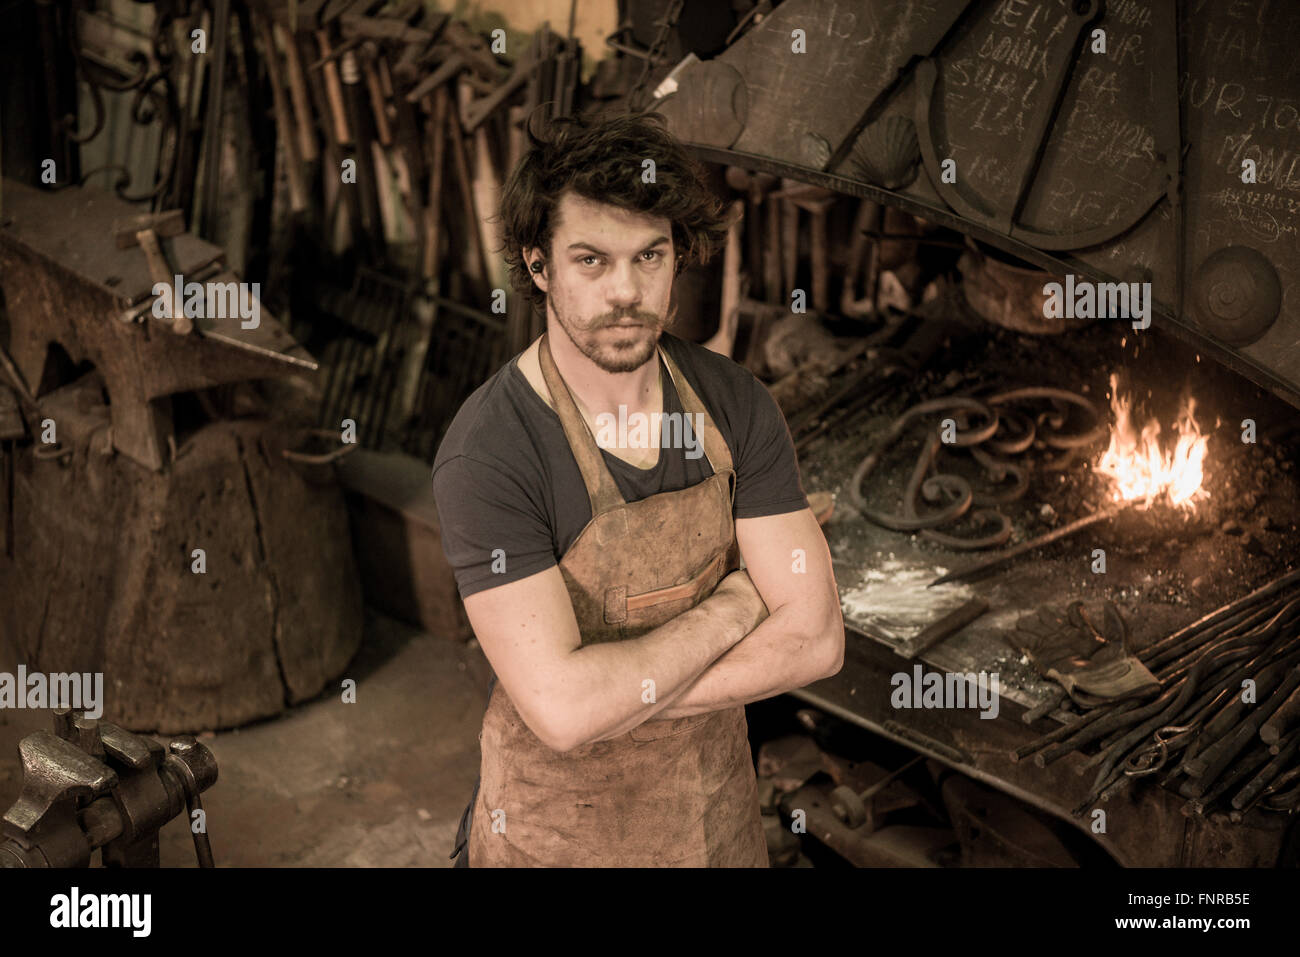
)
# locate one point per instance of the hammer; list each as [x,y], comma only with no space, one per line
[144,231]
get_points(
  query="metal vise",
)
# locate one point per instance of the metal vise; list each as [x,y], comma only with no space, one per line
[95,785]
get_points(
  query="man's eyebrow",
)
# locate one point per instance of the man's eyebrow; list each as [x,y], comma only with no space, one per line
[658,241]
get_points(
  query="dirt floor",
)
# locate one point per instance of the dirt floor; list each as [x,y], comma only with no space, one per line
[378,783]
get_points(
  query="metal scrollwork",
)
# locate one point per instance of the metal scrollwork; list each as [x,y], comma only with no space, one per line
[989,428]
[155,98]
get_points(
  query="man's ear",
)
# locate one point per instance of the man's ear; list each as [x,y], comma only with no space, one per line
[533,259]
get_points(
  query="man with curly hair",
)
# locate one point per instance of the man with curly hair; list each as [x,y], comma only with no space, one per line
[623,512]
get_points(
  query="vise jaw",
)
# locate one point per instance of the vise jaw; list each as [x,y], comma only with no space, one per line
[95,785]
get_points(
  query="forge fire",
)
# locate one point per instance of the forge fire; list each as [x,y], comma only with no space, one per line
[1146,468]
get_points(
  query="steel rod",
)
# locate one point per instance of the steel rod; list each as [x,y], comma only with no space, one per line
[1016,550]
[1264,591]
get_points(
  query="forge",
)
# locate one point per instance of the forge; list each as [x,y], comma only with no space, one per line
[1176,484]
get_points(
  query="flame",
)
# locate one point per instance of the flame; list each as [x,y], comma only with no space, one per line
[1141,469]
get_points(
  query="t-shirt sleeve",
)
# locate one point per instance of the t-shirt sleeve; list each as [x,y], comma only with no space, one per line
[767,470]
[493,532]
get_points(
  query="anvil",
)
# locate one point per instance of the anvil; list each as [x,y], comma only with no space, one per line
[64,281]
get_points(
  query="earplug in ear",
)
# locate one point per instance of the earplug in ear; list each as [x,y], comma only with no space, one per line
[536,266]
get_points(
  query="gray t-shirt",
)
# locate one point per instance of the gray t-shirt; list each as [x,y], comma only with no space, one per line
[504,477]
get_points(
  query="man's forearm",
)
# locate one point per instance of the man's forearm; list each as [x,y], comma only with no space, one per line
[671,656]
[777,656]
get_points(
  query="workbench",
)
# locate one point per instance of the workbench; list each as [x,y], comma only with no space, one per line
[883,579]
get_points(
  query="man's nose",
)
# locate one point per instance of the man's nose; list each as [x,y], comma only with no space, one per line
[624,286]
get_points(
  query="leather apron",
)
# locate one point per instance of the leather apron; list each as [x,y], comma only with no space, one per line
[669,792]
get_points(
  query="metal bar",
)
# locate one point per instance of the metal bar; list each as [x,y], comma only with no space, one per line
[946,627]
[212,125]
[1266,590]
[1002,557]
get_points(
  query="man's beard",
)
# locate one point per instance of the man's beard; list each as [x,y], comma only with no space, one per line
[622,352]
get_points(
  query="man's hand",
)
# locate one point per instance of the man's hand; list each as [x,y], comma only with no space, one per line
[801,641]
[738,589]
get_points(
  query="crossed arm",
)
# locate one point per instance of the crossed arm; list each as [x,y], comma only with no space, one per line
[800,642]
[774,627]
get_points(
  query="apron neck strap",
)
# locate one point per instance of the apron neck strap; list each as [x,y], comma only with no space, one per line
[602,490]
[601,487]
[715,448]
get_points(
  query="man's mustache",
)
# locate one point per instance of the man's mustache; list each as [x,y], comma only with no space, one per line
[641,318]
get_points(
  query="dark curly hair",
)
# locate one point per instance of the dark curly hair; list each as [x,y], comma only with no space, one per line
[600,158]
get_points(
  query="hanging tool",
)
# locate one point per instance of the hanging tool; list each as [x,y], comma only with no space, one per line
[369,232]
[289,129]
[212,121]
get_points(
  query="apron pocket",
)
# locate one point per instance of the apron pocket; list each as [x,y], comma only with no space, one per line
[663,603]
